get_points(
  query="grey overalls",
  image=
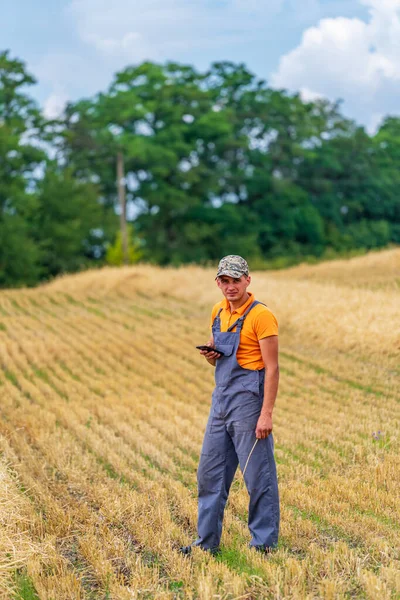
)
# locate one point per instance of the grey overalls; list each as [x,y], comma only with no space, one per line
[229,438]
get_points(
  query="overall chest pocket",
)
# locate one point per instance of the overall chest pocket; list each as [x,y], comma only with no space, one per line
[227,349]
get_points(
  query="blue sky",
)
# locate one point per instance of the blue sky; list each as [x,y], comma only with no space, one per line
[347,49]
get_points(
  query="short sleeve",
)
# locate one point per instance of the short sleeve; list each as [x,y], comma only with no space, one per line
[213,314]
[265,324]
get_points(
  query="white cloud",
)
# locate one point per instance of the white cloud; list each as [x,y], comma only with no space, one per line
[339,57]
[154,29]
[54,104]
[353,59]
[61,69]
[64,75]
[308,95]
[123,32]
[374,122]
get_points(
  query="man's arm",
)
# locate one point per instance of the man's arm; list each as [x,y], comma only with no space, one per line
[269,353]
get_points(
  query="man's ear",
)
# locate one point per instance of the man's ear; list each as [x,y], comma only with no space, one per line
[248,280]
[218,282]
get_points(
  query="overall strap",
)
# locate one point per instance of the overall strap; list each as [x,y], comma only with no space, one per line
[239,322]
[217,316]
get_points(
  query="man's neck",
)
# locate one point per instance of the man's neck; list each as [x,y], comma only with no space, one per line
[240,302]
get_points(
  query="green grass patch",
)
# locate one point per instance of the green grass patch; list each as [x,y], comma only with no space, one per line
[287,371]
[40,306]
[322,371]
[152,559]
[97,391]
[332,532]
[145,311]
[91,309]
[34,302]
[3,312]
[153,463]
[175,586]
[18,307]
[11,377]
[71,300]
[25,588]
[379,518]
[95,311]
[237,561]
[68,370]
[111,472]
[42,375]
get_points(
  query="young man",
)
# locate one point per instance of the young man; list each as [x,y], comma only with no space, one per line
[239,429]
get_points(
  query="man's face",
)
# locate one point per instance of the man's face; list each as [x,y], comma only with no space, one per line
[233,289]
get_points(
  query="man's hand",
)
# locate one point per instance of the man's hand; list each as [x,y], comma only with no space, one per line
[210,356]
[264,426]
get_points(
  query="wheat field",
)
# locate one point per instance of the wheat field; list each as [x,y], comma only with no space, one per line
[103,404]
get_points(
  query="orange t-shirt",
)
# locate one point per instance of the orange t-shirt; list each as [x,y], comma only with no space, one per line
[259,323]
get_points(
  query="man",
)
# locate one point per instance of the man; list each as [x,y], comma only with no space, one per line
[239,429]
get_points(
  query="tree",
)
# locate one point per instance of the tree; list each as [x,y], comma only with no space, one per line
[68,222]
[202,150]
[161,118]
[386,205]
[20,159]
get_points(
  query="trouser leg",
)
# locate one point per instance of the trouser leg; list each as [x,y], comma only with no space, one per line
[261,482]
[217,467]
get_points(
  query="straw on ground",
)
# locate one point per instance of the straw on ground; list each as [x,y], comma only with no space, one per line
[103,406]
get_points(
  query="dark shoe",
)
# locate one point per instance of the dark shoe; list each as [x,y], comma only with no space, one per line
[186,550]
[214,551]
[263,549]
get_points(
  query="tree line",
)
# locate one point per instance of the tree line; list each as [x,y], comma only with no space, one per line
[215,162]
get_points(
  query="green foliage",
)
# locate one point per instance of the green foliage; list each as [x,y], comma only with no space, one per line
[66,221]
[50,221]
[19,255]
[215,163]
[115,256]
[369,234]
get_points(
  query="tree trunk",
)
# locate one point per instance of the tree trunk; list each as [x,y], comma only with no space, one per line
[122,206]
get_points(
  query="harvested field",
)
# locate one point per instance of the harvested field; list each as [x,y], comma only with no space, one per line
[102,419]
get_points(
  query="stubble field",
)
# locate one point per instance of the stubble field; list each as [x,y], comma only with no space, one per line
[103,404]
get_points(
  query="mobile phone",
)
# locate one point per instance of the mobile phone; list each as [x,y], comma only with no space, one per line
[210,349]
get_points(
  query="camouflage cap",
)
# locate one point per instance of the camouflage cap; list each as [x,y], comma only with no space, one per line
[232,266]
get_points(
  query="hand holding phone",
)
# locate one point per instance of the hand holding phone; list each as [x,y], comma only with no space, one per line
[209,349]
